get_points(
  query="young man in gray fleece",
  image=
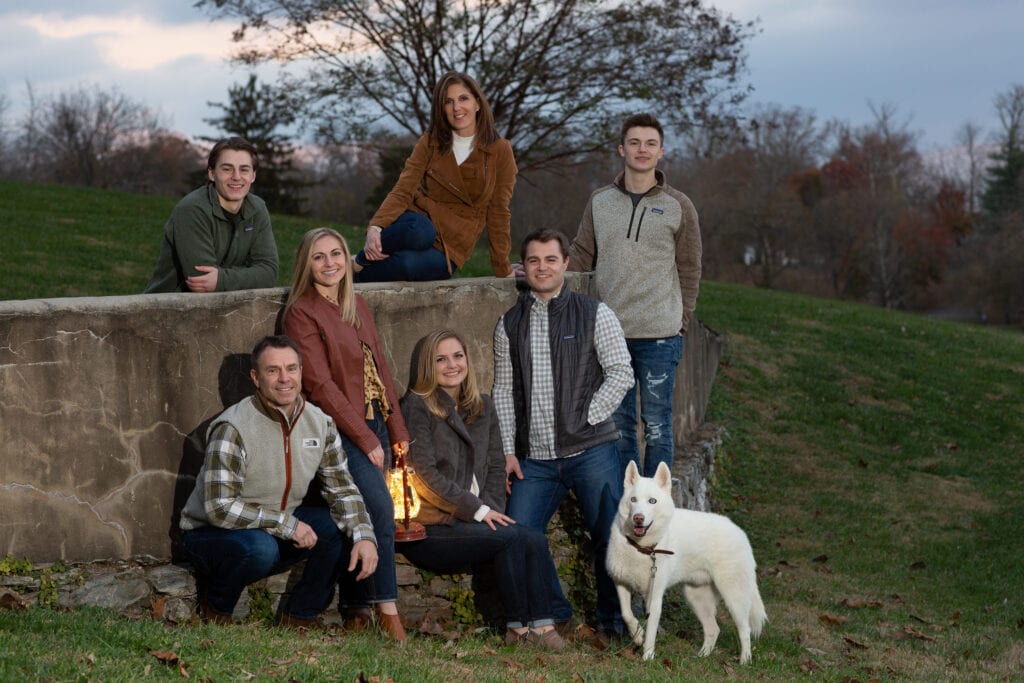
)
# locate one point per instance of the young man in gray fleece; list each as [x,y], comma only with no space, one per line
[642,240]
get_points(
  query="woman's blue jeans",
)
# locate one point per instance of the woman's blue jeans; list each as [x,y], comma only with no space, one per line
[228,560]
[409,243]
[381,586]
[522,564]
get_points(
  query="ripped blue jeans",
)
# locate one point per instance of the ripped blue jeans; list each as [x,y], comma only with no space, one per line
[654,366]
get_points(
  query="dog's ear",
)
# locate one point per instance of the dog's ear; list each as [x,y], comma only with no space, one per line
[632,474]
[663,477]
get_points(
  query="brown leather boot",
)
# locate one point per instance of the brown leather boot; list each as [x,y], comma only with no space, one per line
[391,624]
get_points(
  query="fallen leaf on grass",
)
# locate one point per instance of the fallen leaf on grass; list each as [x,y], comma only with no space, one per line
[853,643]
[165,656]
[914,633]
[820,558]
[729,670]
[11,600]
[430,627]
[920,564]
[576,678]
[88,657]
[283,662]
[512,665]
[830,620]
[246,675]
[858,602]
[667,664]
[158,605]
[809,666]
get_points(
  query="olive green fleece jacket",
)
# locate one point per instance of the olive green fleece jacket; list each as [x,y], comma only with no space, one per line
[199,233]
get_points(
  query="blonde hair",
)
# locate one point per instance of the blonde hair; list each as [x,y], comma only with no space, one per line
[302,276]
[424,384]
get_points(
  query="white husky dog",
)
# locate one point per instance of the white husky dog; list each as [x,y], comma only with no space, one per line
[655,545]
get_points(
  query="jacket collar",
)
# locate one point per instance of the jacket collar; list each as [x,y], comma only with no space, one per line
[659,182]
[275,413]
[244,211]
[454,420]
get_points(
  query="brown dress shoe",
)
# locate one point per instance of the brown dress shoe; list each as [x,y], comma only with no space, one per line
[207,615]
[391,624]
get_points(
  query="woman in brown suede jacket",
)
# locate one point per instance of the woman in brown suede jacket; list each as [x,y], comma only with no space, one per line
[457,181]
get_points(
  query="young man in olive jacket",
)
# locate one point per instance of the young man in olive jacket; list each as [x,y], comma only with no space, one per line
[218,237]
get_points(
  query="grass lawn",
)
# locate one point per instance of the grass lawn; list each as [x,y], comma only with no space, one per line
[60,241]
[873,457]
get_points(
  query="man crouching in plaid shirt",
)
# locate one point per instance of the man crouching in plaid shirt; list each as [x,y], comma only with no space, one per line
[245,520]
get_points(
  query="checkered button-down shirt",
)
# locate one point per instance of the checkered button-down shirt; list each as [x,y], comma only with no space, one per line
[612,354]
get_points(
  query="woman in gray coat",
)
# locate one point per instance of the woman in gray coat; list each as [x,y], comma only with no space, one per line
[455,449]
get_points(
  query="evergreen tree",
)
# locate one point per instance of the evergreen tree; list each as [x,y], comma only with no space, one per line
[1005,184]
[258,113]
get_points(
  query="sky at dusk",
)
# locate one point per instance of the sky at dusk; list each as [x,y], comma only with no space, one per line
[940,62]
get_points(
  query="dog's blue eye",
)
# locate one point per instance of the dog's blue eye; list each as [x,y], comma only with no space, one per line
[652,501]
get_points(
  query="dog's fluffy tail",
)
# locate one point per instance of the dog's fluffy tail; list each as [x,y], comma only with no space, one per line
[758,617]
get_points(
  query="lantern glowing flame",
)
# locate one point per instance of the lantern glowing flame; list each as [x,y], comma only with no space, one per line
[405,499]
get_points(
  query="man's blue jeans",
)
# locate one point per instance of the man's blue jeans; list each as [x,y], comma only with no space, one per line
[228,560]
[381,586]
[654,366]
[595,476]
[409,243]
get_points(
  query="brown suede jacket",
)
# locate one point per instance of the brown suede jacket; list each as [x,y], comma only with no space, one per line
[332,366]
[459,200]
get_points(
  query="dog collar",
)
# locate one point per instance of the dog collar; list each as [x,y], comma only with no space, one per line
[648,551]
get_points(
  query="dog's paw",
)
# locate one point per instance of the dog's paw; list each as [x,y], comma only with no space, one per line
[649,654]
[705,651]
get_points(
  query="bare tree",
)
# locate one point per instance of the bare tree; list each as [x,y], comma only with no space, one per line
[557,73]
[73,136]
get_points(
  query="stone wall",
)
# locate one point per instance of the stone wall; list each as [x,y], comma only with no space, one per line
[103,401]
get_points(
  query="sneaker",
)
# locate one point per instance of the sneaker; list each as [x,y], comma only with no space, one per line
[548,640]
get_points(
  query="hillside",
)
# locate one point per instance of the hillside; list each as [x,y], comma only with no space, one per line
[874,458]
[62,241]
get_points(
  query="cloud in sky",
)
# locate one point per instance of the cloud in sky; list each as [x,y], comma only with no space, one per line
[130,42]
